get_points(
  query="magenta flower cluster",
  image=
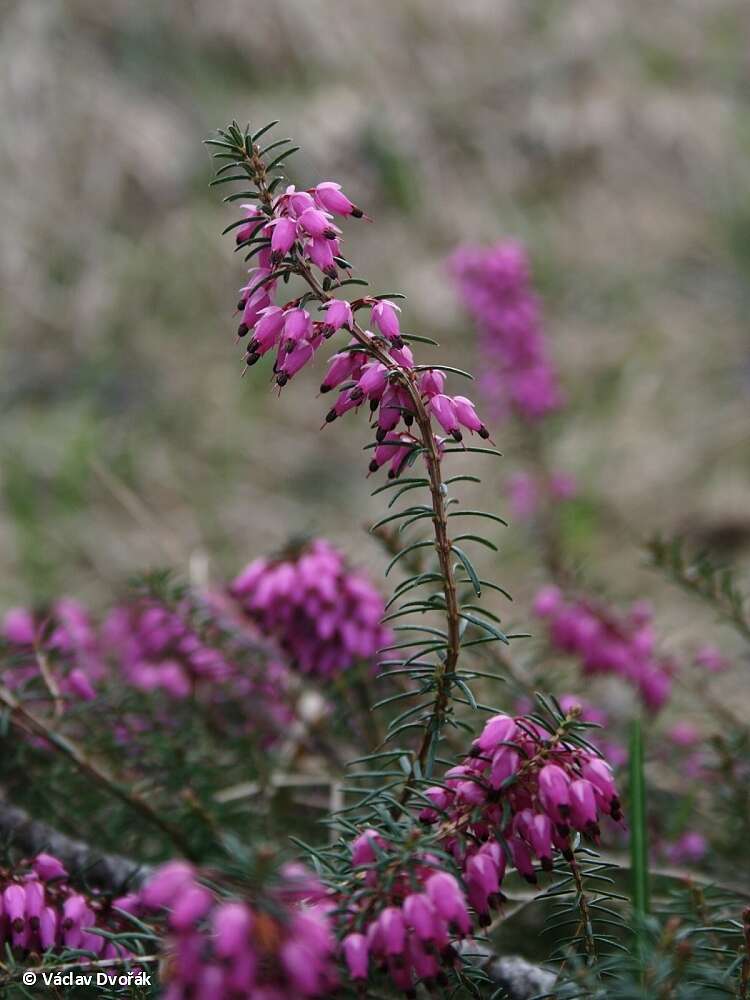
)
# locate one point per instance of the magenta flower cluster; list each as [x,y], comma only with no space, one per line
[300,236]
[156,648]
[324,615]
[404,917]
[67,638]
[518,375]
[608,643]
[281,947]
[523,785]
[521,793]
[41,912]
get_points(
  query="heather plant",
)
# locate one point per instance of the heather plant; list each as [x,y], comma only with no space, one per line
[191,707]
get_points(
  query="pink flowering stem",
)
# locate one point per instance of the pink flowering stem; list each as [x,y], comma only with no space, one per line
[409,380]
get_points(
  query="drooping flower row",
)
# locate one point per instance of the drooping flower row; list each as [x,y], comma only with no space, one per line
[524,787]
[517,373]
[404,916]
[608,643]
[278,946]
[296,234]
[42,912]
[520,795]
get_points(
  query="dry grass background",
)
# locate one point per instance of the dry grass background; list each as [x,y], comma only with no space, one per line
[613,137]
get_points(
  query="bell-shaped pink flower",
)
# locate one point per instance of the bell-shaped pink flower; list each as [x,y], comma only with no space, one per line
[583,811]
[466,415]
[363,847]
[554,793]
[14,904]
[403,356]
[538,834]
[191,905]
[443,410]
[505,763]
[232,924]
[338,314]
[283,235]
[321,252]
[522,860]
[294,361]
[80,685]
[384,316]
[318,223]
[267,329]
[254,306]
[599,774]
[447,898]
[392,930]
[329,196]
[34,891]
[373,380]
[48,867]
[356,953]
[48,928]
[420,915]
[297,326]
[341,367]
[497,730]
[432,383]
[166,883]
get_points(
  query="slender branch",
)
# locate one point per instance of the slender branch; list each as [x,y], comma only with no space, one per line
[586,926]
[109,871]
[30,723]
[49,679]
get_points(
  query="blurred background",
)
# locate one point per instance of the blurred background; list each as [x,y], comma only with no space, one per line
[611,138]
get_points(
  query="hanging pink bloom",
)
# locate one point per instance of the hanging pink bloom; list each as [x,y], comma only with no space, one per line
[322,252]
[283,235]
[329,196]
[338,314]
[384,317]
[342,367]
[443,409]
[318,223]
